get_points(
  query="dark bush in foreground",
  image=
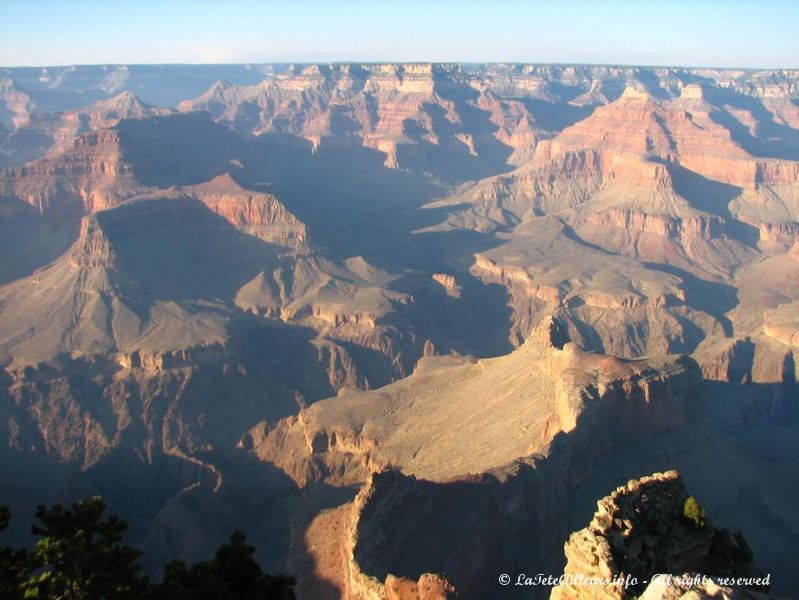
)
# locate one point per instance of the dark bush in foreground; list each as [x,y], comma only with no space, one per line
[80,556]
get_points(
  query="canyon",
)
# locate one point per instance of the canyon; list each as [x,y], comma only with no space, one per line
[404,324]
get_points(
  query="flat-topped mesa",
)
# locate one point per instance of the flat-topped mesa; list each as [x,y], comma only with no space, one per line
[402,78]
[693,91]
[605,163]
[687,228]
[697,100]
[645,528]
[634,92]
[375,70]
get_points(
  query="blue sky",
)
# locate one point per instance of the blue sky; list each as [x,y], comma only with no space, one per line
[754,33]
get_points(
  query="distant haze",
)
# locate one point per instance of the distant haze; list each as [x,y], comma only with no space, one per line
[657,32]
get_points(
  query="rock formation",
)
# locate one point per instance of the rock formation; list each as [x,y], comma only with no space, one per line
[642,530]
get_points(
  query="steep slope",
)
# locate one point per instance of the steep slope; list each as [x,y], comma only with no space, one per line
[663,179]
[100,169]
[129,284]
[764,349]
[45,132]
[15,104]
[163,274]
[260,214]
[138,359]
[103,167]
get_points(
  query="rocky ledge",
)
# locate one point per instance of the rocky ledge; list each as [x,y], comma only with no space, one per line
[648,527]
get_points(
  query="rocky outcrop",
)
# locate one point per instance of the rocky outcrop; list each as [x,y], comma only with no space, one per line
[88,176]
[362,585]
[730,361]
[15,102]
[776,172]
[165,85]
[518,499]
[562,295]
[256,213]
[184,357]
[93,248]
[638,124]
[597,300]
[644,529]
[449,283]
[158,282]
[684,228]
[785,331]
[94,171]
[101,168]
[783,235]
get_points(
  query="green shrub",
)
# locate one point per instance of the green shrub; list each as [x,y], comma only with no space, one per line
[694,512]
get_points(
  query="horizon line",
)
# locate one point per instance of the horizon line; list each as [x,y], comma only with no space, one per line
[397,62]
